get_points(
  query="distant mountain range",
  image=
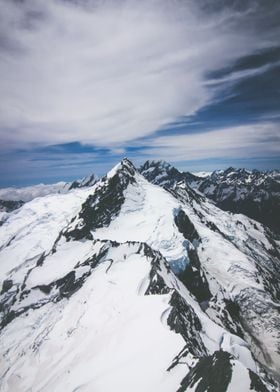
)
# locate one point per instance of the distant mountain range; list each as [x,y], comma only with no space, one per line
[253,193]
[140,281]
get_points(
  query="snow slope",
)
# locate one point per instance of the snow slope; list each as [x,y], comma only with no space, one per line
[32,230]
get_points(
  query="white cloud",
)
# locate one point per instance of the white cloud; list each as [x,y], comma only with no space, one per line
[244,74]
[108,72]
[246,141]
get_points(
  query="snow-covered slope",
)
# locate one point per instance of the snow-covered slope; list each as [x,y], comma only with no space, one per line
[127,286]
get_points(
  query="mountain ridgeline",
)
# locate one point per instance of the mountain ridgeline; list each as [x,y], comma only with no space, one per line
[252,193]
[142,281]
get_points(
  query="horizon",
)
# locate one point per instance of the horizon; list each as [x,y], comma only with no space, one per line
[85,83]
[100,175]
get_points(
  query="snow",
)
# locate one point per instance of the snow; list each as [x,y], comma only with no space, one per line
[32,230]
[240,380]
[111,173]
[147,215]
[3,216]
[239,350]
[106,328]
[202,174]
[66,257]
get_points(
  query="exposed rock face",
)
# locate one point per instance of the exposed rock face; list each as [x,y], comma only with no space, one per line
[163,174]
[255,194]
[105,203]
[10,205]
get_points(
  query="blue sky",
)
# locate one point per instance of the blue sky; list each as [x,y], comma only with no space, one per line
[86,83]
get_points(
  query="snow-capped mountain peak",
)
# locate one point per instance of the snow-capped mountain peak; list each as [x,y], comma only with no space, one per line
[163,174]
[123,168]
[253,193]
[84,182]
[137,287]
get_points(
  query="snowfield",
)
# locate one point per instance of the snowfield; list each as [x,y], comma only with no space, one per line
[32,230]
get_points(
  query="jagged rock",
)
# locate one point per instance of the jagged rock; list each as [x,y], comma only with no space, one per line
[253,193]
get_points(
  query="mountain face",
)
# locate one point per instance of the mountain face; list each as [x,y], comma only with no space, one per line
[126,285]
[10,205]
[7,206]
[253,193]
[163,174]
[256,194]
[83,182]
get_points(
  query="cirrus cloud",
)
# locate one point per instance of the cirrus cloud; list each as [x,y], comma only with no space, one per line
[107,73]
[244,141]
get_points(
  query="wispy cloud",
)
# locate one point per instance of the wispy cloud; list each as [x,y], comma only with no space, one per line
[236,76]
[109,72]
[246,141]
